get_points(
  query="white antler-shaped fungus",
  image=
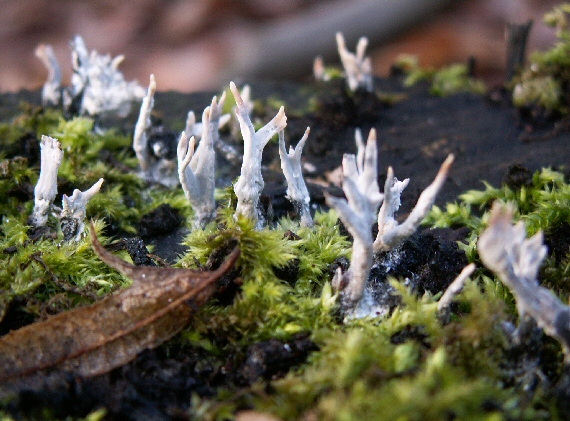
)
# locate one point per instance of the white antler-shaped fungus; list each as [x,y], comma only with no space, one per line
[357,67]
[296,188]
[250,183]
[358,213]
[390,233]
[101,84]
[46,189]
[74,211]
[196,129]
[197,168]
[505,250]
[51,91]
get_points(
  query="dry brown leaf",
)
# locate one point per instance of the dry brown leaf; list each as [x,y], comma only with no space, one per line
[94,340]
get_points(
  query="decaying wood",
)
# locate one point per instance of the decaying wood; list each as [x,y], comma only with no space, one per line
[94,340]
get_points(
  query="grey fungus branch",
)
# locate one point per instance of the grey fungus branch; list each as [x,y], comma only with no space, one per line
[197,168]
[74,211]
[516,260]
[99,84]
[250,183]
[46,189]
[390,233]
[357,213]
[140,138]
[357,67]
[51,91]
[296,188]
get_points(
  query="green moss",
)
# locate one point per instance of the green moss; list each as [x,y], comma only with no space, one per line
[445,81]
[544,82]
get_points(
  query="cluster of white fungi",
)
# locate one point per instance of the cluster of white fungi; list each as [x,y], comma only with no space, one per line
[502,247]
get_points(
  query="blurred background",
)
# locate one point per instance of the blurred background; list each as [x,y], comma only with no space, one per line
[202,44]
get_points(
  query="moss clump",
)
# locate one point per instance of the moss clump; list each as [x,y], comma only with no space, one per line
[445,81]
[545,82]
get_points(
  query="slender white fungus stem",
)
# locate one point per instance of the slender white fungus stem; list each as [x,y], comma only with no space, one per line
[358,213]
[250,183]
[51,91]
[296,188]
[46,188]
[357,67]
[390,233]
[505,250]
[74,209]
[197,168]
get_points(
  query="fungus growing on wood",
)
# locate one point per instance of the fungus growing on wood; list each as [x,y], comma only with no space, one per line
[390,233]
[73,213]
[296,188]
[357,67]
[51,91]
[358,213]
[197,167]
[46,188]
[250,183]
[155,166]
[505,250]
[97,84]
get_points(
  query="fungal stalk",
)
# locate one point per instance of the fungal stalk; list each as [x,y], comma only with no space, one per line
[390,233]
[197,167]
[51,91]
[505,250]
[358,213]
[444,303]
[357,67]
[250,183]
[155,147]
[98,85]
[46,189]
[140,138]
[73,213]
[296,188]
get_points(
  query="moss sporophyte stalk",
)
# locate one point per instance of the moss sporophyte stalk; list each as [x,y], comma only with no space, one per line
[318,317]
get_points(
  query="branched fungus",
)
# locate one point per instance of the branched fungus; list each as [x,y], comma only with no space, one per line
[97,84]
[357,67]
[250,183]
[358,213]
[73,213]
[296,189]
[197,168]
[196,129]
[505,250]
[46,189]
[390,233]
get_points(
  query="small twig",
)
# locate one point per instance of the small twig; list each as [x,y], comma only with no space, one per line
[516,35]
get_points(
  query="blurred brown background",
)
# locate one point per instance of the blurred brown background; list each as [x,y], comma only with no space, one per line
[202,44]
